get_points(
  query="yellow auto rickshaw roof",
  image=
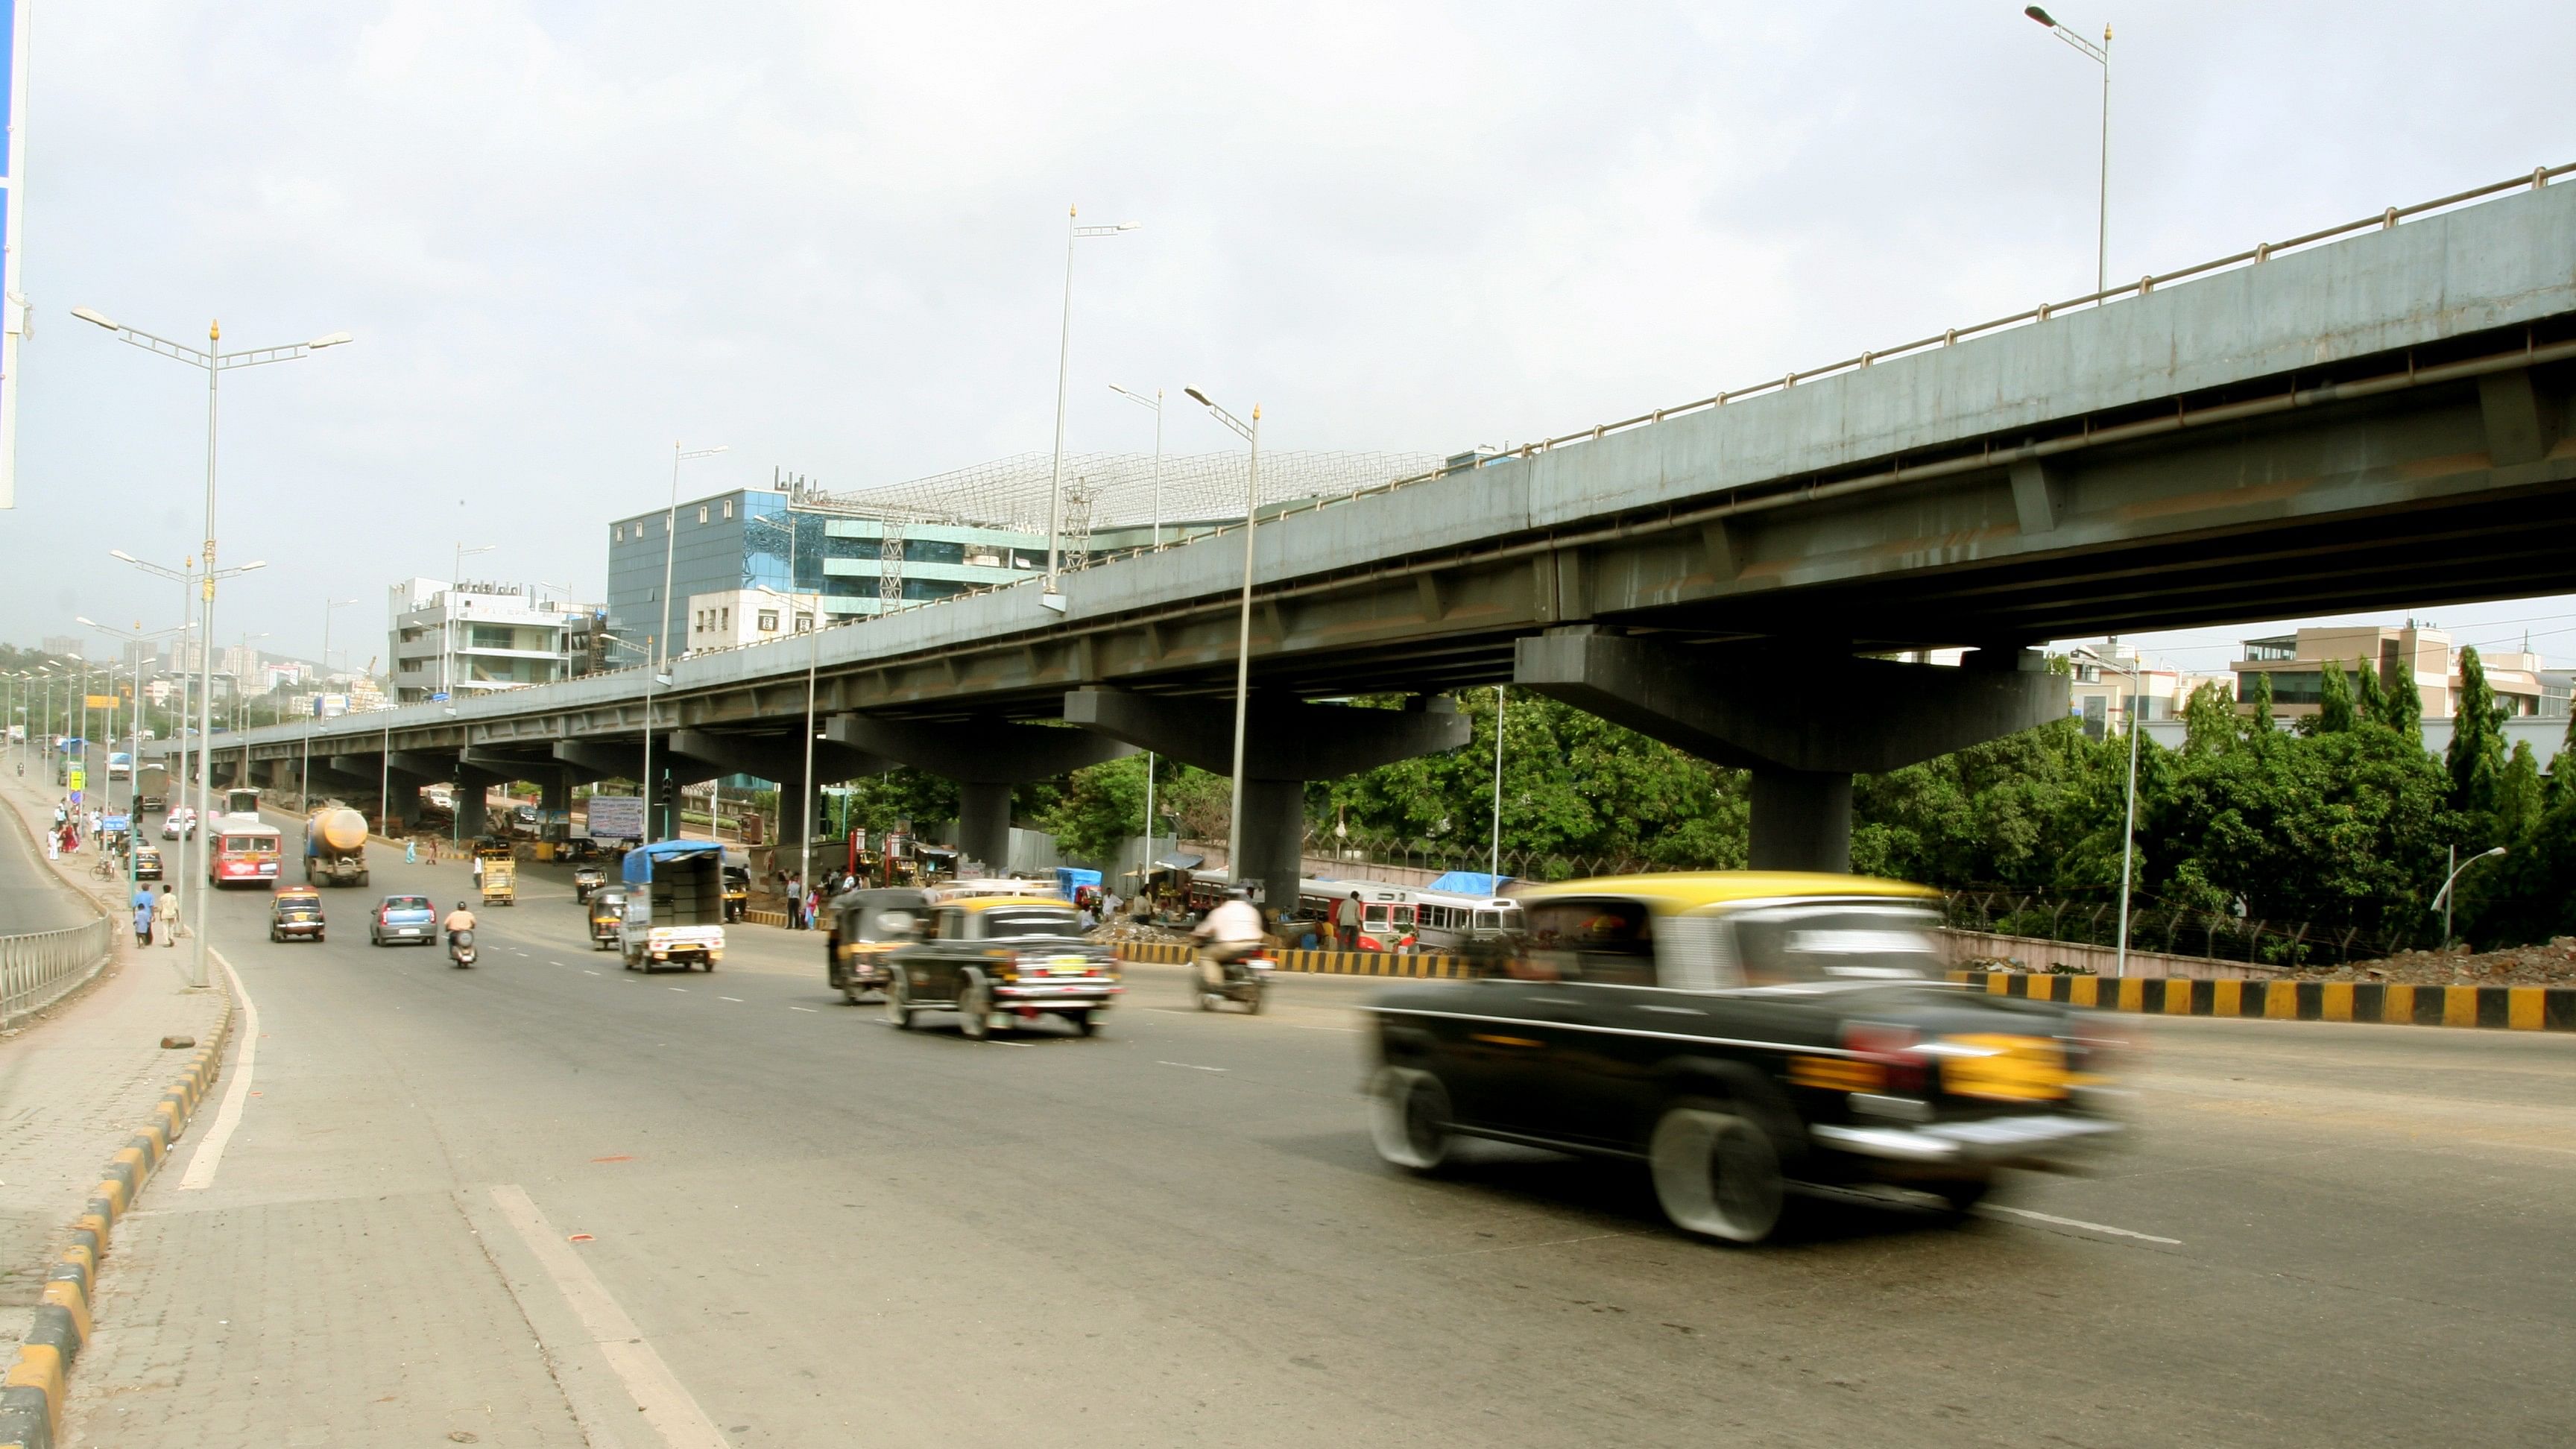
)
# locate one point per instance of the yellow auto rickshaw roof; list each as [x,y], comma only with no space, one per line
[1702,889]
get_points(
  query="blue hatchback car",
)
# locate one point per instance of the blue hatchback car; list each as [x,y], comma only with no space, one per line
[403,918]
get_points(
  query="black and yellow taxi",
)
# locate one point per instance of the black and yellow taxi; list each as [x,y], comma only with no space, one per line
[147,861]
[295,914]
[1754,1038]
[1002,962]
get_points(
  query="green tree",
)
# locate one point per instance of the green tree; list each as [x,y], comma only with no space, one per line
[2519,796]
[901,797]
[2562,770]
[2209,719]
[2334,699]
[2404,703]
[2258,719]
[2368,703]
[2476,756]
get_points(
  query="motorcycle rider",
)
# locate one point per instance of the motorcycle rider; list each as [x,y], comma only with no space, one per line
[1231,932]
[457,920]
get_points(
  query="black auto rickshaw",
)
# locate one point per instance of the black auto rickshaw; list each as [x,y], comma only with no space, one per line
[737,892]
[866,928]
[607,916]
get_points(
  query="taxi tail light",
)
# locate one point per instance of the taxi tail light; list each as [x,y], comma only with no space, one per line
[1892,1048]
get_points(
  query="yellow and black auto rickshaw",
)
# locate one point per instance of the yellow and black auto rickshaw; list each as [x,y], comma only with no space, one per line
[607,915]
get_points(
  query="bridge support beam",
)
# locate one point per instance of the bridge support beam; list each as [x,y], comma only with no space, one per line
[986,757]
[1286,743]
[1803,727]
[402,800]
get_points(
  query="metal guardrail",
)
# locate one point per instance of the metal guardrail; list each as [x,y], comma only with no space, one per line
[37,969]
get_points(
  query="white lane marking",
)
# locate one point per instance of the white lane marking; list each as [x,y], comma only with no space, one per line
[1193,1066]
[586,971]
[736,999]
[800,1008]
[675,988]
[554,963]
[2080,1223]
[667,1405]
[210,1153]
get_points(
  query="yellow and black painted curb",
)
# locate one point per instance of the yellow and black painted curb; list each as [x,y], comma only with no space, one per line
[31,1395]
[2497,1008]
[1413,965]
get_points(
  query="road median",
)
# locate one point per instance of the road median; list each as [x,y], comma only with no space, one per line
[2494,1008]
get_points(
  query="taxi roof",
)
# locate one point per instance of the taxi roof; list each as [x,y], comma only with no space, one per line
[1698,889]
[297,890]
[979,903]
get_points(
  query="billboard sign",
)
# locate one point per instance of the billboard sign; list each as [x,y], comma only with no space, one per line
[616,817]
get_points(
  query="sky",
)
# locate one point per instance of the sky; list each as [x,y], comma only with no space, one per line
[830,238]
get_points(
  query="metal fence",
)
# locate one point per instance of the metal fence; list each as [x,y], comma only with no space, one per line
[2170,929]
[36,969]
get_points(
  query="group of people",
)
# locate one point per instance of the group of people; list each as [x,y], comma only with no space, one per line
[804,902]
[156,916]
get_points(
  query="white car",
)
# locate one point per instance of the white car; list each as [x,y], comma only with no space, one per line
[178,823]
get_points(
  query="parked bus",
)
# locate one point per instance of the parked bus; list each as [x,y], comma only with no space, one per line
[1388,920]
[245,853]
[1447,922]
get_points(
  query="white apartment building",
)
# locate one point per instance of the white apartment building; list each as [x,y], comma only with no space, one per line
[731,617]
[469,638]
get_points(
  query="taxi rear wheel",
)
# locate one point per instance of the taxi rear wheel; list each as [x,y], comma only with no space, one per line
[1717,1173]
[898,1003]
[974,1007]
[1409,1118]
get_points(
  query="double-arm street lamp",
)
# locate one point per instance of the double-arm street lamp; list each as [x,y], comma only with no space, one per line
[215,364]
[1250,433]
[2100,55]
[1073,232]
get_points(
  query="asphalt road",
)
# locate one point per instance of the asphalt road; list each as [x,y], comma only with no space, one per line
[829,1232]
[31,899]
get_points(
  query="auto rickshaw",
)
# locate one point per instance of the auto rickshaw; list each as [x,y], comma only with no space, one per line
[867,927]
[500,874]
[737,892]
[607,914]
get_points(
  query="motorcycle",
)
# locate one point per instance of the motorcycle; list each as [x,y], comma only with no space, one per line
[460,948]
[1244,980]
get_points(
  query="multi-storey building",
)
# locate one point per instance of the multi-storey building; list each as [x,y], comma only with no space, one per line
[471,638]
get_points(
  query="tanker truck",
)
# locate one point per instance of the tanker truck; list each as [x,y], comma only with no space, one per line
[335,847]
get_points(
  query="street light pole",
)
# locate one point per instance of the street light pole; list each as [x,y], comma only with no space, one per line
[653,668]
[215,364]
[2100,54]
[1063,360]
[2129,830]
[2444,899]
[329,606]
[1251,433]
[1494,853]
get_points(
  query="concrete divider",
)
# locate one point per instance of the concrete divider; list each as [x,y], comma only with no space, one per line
[2497,1008]
[31,1393]
[1413,965]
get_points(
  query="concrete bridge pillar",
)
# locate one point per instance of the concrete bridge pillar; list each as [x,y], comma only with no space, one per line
[1803,726]
[401,789]
[986,757]
[1286,743]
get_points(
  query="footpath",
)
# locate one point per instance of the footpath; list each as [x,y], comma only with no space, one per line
[80,1078]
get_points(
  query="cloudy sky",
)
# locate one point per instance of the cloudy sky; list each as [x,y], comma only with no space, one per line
[830,236]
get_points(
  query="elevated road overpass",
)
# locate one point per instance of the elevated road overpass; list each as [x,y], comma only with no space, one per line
[2370,416]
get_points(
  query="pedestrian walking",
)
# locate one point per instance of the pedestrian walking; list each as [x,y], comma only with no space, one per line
[411,852]
[813,907]
[795,903]
[165,916]
[1346,922]
[142,917]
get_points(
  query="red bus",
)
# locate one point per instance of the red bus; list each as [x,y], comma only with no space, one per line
[244,852]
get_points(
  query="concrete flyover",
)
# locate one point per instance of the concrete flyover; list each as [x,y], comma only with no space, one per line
[2379,420]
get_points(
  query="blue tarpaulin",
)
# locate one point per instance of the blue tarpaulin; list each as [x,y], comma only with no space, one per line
[639,861]
[1469,883]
